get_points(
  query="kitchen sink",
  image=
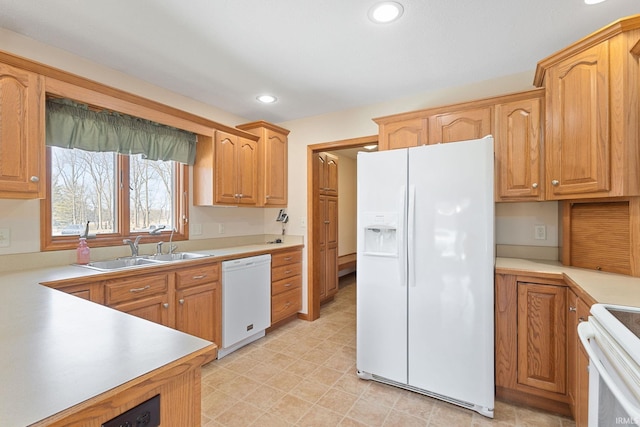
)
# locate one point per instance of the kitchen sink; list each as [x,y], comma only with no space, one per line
[177,256]
[120,263]
[130,262]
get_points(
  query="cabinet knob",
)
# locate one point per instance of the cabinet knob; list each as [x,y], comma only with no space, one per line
[555,182]
[534,185]
[267,196]
[34,179]
[181,301]
[241,195]
[572,309]
[165,305]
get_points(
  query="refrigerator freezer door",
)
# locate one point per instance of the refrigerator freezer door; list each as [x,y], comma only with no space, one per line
[381,291]
[451,296]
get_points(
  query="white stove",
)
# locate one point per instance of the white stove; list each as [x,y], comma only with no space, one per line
[611,337]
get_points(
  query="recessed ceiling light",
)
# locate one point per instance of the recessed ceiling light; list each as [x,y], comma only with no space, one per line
[593,1]
[385,12]
[267,99]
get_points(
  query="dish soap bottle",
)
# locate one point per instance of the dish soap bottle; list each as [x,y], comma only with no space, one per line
[83,252]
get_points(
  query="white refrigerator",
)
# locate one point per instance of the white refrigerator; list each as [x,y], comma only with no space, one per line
[425,271]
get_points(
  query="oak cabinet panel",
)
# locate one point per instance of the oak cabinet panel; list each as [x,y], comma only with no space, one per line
[327,246]
[286,284]
[22,152]
[578,154]
[460,125]
[154,309]
[402,133]
[198,311]
[592,140]
[327,174]
[518,151]
[272,163]
[531,342]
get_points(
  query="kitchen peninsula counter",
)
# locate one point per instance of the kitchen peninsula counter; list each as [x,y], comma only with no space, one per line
[602,287]
[62,355]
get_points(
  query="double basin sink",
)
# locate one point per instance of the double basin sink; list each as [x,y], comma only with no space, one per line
[130,262]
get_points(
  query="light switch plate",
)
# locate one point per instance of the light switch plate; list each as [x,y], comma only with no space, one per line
[5,237]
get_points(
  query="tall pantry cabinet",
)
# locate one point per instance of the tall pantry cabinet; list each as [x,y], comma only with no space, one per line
[325,245]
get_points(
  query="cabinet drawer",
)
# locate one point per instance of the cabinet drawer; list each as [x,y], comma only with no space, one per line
[137,287]
[285,258]
[286,284]
[197,276]
[285,304]
[279,273]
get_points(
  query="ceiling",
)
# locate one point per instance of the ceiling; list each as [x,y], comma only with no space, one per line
[315,56]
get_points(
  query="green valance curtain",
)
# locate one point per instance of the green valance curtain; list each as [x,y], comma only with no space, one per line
[73,125]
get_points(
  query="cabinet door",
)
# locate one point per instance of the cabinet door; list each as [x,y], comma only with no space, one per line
[275,162]
[578,150]
[403,134]
[198,311]
[247,172]
[328,174]
[582,373]
[460,126]
[90,291]
[226,168]
[21,134]
[518,151]
[154,309]
[331,259]
[542,336]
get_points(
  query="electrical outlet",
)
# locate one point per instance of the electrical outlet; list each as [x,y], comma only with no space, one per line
[5,237]
[540,232]
[220,228]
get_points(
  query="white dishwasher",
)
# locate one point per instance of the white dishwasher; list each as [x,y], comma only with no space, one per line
[246,301]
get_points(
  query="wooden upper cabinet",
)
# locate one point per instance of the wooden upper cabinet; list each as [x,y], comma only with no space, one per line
[460,125]
[592,143]
[272,162]
[22,156]
[410,132]
[226,170]
[518,150]
[327,174]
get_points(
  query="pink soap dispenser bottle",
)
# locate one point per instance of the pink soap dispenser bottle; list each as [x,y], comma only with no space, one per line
[83,252]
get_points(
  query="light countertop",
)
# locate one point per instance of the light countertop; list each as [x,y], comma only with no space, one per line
[601,286]
[59,350]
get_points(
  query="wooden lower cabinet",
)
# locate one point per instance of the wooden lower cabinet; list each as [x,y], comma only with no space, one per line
[578,361]
[286,284]
[531,342]
[154,309]
[145,296]
[199,302]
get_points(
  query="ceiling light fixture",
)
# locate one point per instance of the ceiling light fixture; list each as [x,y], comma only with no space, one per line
[593,1]
[385,12]
[267,99]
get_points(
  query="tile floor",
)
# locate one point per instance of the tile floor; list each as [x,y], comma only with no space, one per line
[303,374]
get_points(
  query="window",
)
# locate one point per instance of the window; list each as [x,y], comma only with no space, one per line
[120,195]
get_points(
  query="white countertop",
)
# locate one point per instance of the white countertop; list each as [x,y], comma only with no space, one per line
[59,350]
[602,287]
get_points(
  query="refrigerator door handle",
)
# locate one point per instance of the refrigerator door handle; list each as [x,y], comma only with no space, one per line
[402,261]
[411,220]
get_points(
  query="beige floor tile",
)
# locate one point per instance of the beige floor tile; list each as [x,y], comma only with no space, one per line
[304,374]
[337,401]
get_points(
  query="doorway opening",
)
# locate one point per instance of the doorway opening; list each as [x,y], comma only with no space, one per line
[315,206]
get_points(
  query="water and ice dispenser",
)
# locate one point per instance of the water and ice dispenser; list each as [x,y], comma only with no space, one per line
[381,234]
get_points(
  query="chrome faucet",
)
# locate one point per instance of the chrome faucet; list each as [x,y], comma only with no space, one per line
[133,245]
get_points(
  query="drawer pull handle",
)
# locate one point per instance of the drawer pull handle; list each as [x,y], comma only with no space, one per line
[287,305]
[202,276]
[287,285]
[288,258]
[181,301]
[573,309]
[140,289]
[287,271]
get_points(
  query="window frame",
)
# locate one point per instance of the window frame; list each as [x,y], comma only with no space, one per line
[48,242]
